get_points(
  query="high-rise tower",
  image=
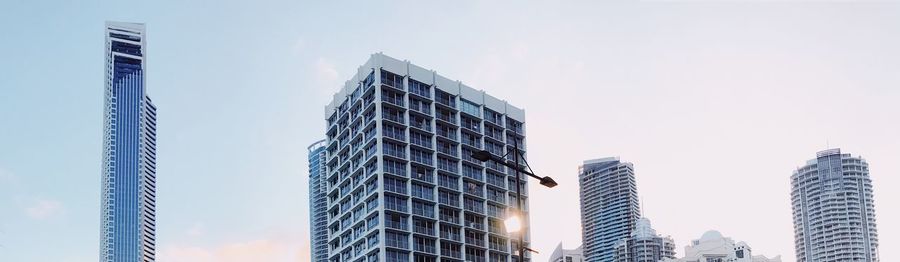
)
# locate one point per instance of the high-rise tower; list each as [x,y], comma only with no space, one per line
[644,245]
[401,182]
[318,203]
[128,229]
[834,213]
[609,206]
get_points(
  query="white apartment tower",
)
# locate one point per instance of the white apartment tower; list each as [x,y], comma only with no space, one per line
[834,213]
[401,182]
[609,206]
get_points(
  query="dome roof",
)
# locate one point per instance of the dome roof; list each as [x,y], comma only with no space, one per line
[710,235]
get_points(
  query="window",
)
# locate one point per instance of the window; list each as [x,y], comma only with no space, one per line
[450,232]
[395,221]
[395,203]
[495,210]
[472,172]
[474,254]
[446,115]
[493,117]
[392,97]
[473,205]
[494,148]
[420,139]
[514,125]
[420,122]
[449,215]
[495,226]
[445,131]
[473,188]
[394,167]
[419,88]
[497,257]
[448,198]
[373,257]
[421,156]
[493,132]
[445,98]
[423,209]
[447,164]
[391,79]
[448,181]
[470,123]
[497,243]
[471,140]
[392,114]
[372,221]
[393,131]
[497,180]
[394,185]
[373,239]
[394,150]
[425,245]
[422,173]
[446,148]
[394,239]
[420,105]
[396,256]
[423,258]
[495,195]
[422,191]
[470,108]
[422,226]
[370,79]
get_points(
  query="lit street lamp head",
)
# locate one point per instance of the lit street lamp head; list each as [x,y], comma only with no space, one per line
[548,182]
[513,224]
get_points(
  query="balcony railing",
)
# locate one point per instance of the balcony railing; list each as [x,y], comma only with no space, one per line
[393,99]
[447,134]
[421,108]
[447,118]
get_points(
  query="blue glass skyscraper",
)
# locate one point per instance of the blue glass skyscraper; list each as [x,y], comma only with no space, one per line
[128,229]
[318,215]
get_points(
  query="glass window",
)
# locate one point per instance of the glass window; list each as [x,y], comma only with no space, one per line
[470,108]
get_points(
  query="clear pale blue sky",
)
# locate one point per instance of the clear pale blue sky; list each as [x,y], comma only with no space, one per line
[714,101]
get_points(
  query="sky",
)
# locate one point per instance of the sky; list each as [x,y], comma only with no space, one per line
[715,102]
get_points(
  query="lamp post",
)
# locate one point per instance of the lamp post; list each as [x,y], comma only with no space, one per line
[516,220]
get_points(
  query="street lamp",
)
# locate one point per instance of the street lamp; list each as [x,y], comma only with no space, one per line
[514,222]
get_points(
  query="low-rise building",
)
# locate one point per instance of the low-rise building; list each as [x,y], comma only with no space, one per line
[567,255]
[713,247]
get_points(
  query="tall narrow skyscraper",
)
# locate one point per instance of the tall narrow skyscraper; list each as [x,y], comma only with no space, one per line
[128,229]
[834,212]
[318,203]
[609,206]
[402,185]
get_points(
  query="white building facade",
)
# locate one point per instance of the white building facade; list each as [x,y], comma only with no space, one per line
[644,245]
[401,182]
[834,211]
[713,247]
[561,254]
[609,206]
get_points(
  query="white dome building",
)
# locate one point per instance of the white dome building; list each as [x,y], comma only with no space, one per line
[713,247]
